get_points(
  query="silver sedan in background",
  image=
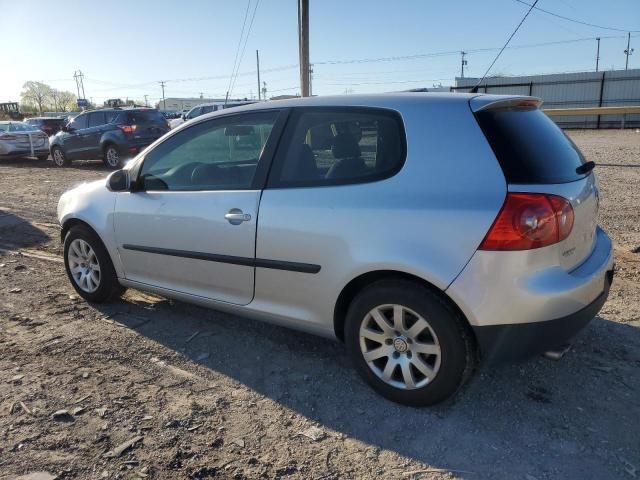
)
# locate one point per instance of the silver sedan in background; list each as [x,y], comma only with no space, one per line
[18,139]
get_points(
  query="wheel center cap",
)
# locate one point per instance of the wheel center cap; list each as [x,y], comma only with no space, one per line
[400,344]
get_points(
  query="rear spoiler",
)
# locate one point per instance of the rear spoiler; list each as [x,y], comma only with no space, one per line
[493,102]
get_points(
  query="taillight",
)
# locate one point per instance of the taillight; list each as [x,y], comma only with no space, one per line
[530,220]
[128,128]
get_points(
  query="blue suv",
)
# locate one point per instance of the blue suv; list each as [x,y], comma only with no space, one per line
[110,134]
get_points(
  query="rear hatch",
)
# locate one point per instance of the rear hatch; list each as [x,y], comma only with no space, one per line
[149,125]
[536,156]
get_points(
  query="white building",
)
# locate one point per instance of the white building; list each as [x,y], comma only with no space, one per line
[175,104]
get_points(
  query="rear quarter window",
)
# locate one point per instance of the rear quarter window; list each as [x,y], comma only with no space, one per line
[325,146]
[530,147]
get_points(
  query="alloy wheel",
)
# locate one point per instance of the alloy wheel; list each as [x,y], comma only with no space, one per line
[84,265]
[400,347]
[58,157]
[113,159]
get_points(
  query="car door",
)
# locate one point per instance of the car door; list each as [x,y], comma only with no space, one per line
[93,133]
[190,223]
[74,138]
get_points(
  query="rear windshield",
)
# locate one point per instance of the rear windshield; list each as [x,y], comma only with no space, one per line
[530,147]
[146,116]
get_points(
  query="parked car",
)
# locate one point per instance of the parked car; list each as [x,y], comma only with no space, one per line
[110,134]
[423,230]
[48,125]
[206,108]
[18,139]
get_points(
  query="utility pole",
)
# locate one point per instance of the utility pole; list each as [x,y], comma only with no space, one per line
[463,62]
[164,103]
[258,70]
[311,79]
[628,51]
[82,83]
[598,53]
[75,77]
[303,45]
[146,103]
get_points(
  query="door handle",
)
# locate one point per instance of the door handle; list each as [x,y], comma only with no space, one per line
[236,217]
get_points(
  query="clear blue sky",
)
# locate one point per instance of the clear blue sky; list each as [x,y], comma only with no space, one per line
[125,47]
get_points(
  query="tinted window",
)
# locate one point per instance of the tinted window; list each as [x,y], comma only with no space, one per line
[96,119]
[332,147]
[215,155]
[146,116]
[79,122]
[110,115]
[207,109]
[20,127]
[530,147]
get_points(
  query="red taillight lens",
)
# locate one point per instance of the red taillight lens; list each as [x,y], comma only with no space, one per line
[128,128]
[530,220]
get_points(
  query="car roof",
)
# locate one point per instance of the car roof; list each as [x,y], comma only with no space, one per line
[382,100]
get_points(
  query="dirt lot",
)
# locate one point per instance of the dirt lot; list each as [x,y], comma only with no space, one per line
[200,394]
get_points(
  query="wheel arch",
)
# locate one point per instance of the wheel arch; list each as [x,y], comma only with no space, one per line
[70,223]
[362,281]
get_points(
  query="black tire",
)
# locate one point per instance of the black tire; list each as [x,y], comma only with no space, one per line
[60,158]
[109,287]
[107,158]
[42,158]
[457,352]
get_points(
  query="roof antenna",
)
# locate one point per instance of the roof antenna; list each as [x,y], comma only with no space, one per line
[475,88]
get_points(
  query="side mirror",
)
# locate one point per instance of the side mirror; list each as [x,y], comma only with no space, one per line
[184,117]
[119,181]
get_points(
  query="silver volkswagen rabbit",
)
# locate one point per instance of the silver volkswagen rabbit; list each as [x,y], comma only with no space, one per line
[426,231]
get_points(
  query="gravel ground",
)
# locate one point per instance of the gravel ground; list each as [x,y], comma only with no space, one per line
[149,388]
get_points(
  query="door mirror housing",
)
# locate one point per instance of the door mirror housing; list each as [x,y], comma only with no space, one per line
[119,181]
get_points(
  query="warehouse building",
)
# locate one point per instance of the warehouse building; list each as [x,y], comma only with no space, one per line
[569,90]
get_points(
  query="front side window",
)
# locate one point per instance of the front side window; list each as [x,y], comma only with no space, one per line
[96,119]
[339,146]
[79,122]
[220,154]
[194,113]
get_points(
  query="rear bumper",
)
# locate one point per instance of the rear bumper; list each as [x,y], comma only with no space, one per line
[24,153]
[516,342]
[518,310]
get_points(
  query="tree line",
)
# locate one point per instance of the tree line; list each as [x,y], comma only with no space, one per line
[40,97]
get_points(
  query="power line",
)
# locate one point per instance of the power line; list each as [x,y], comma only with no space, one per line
[475,89]
[246,39]
[574,20]
[244,22]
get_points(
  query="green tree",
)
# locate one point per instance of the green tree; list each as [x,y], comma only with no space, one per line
[63,101]
[36,94]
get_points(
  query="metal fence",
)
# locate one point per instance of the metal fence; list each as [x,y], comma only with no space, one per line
[570,90]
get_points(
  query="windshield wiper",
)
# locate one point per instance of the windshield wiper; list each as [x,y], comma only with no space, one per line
[585,168]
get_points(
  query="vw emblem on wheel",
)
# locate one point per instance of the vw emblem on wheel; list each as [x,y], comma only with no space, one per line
[400,345]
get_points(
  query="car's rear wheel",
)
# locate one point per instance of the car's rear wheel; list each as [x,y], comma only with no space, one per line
[89,266]
[59,157]
[112,158]
[407,343]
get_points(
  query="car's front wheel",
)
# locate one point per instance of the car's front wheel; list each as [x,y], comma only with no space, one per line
[407,343]
[59,157]
[89,266]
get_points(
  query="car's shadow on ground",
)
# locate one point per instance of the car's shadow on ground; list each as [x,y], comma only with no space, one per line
[17,232]
[566,408]
[90,165]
